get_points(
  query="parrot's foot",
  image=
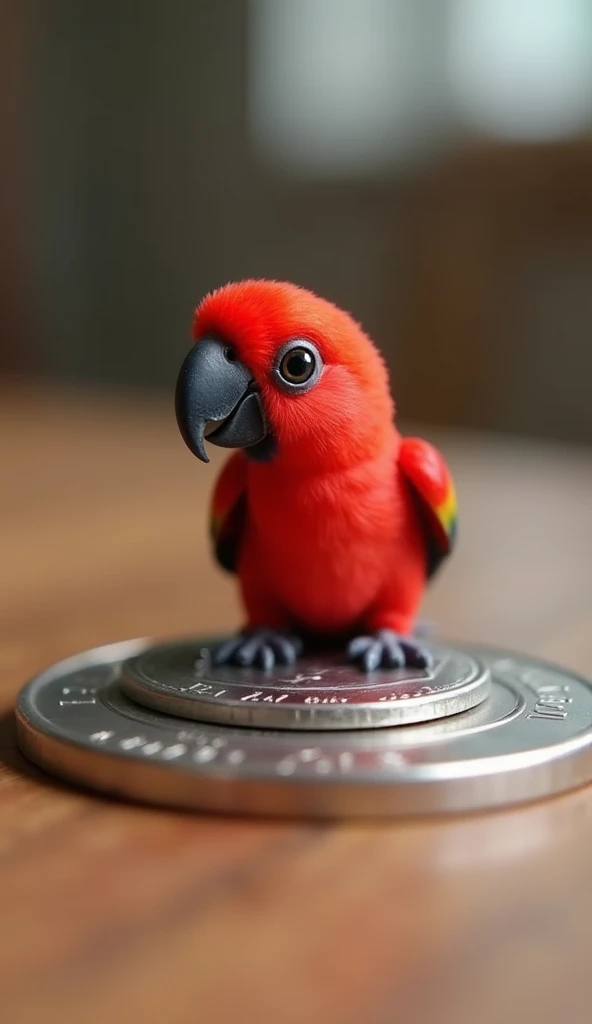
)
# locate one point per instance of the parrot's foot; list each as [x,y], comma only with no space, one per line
[387,649]
[259,648]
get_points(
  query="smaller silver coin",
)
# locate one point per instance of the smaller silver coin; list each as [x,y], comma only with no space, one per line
[531,738]
[317,693]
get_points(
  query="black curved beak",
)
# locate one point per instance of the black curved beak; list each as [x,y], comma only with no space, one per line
[216,397]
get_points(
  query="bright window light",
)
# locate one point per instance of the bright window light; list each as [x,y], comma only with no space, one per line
[335,85]
[522,69]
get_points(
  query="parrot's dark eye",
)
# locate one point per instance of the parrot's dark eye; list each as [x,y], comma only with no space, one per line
[298,366]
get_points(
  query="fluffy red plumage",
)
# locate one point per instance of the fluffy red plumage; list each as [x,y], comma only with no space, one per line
[328,536]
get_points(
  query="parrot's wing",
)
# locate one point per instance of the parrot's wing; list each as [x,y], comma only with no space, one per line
[228,511]
[430,481]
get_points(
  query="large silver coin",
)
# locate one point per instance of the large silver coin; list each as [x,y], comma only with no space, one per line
[531,738]
[318,693]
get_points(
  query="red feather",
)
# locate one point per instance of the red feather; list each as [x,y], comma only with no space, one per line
[324,536]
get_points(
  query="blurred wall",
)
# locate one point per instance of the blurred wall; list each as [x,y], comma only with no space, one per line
[148,192]
[15,262]
[149,180]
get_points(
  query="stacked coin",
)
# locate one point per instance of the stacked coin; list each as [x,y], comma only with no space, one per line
[319,693]
[159,723]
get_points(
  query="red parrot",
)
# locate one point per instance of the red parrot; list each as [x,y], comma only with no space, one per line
[332,521]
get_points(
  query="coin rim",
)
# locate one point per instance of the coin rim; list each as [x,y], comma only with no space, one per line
[462,790]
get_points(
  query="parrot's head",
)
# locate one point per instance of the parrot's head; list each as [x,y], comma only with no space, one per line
[282,373]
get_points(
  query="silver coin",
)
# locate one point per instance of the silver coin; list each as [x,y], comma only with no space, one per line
[531,738]
[317,693]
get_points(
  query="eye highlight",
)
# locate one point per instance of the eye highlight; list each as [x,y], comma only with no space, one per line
[298,365]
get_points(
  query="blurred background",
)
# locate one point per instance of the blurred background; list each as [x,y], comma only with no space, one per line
[427,165]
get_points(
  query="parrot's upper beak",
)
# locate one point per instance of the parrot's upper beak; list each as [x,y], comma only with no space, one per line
[217,397]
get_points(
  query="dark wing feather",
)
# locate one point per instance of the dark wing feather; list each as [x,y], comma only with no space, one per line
[432,487]
[228,511]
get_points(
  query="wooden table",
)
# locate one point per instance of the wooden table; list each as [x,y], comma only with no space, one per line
[111,912]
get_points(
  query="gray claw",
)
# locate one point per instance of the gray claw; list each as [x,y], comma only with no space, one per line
[416,655]
[358,646]
[388,650]
[265,657]
[372,656]
[263,648]
[284,649]
[223,653]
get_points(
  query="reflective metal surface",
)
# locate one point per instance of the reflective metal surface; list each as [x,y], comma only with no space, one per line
[317,693]
[531,738]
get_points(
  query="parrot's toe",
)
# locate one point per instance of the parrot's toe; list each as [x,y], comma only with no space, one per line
[260,648]
[387,649]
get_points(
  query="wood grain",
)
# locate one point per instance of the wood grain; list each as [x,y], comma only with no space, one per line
[117,913]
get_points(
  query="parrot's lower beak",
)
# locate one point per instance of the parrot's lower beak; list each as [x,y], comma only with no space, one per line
[217,398]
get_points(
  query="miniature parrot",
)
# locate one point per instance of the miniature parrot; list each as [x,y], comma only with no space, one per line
[332,521]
